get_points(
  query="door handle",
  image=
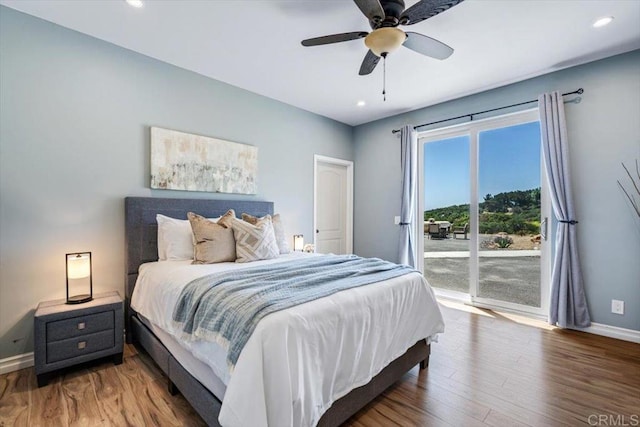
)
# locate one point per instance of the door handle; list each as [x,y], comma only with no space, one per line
[543,228]
[317,231]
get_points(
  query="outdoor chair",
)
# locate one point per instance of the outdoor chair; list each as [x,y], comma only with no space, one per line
[461,230]
[434,231]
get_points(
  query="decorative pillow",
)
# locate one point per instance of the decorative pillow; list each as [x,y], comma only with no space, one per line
[254,242]
[225,220]
[278,230]
[214,242]
[174,238]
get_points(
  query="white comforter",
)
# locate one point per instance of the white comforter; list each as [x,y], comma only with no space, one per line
[300,360]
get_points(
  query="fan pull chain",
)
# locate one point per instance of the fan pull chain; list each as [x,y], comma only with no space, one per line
[384,77]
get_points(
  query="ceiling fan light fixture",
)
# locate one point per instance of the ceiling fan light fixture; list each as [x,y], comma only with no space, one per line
[385,40]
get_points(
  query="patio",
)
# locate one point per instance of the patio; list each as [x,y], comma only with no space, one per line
[505,275]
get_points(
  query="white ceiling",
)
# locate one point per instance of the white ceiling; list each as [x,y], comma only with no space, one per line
[255,45]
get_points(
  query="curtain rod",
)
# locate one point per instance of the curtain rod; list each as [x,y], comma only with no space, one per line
[470,115]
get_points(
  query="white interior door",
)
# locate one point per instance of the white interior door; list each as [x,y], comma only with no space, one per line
[333,201]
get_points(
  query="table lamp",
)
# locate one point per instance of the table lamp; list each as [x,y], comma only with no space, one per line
[78,270]
[298,242]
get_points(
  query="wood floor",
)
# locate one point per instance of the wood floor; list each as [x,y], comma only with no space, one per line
[488,369]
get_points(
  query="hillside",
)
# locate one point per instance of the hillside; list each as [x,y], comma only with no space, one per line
[513,212]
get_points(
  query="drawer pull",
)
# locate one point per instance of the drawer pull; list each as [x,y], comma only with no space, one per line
[81,325]
[82,345]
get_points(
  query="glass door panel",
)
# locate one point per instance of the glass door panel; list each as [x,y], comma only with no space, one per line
[509,215]
[446,189]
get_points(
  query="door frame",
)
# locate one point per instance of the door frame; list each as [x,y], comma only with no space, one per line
[317,158]
[472,130]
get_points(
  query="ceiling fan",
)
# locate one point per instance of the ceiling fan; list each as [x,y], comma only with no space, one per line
[384,17]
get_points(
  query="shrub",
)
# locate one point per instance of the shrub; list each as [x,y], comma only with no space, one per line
[502,241]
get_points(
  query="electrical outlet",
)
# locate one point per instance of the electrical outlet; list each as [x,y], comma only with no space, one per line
[396,220]
[617,306]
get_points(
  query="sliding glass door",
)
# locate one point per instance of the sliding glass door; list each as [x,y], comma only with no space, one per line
[446,191]
[485,212]
[509,214]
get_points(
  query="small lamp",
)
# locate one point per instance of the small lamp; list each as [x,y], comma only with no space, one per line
[79,268]
[298,242]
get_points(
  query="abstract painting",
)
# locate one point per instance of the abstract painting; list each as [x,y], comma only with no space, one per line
[182,161]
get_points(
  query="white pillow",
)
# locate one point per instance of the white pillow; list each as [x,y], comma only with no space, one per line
[175,238]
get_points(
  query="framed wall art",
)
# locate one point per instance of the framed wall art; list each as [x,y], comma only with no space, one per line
[183,161]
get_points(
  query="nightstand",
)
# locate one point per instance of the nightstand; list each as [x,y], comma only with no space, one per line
[68,334]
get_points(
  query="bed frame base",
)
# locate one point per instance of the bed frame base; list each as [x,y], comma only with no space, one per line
[178,379]
[208,406]
[358,398]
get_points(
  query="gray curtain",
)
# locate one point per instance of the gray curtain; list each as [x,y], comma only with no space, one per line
[568,307]
[409,166]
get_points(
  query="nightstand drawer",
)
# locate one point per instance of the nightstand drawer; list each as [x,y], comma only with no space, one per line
[67,349]
[79,326]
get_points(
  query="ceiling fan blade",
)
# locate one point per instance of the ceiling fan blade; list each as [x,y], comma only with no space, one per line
[427,46]
[369,63]
[372,9]
[334,38]
[425,9]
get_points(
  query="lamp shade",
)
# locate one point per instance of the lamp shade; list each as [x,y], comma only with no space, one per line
[78,266]
[79,277]
[385,40]
[298,242]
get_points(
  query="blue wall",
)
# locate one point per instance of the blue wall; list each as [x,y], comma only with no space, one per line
[603,130]
[74,141]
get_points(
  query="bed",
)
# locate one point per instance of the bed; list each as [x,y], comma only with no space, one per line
[190,375]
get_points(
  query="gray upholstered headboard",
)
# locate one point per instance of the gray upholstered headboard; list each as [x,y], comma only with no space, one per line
[141,229]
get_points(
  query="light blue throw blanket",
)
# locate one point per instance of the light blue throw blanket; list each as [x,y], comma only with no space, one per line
[226,307]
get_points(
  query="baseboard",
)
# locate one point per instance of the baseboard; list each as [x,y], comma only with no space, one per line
[613,332]
[15,363]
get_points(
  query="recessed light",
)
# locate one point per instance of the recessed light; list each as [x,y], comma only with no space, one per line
[361,104]
[135,3]
[601,22]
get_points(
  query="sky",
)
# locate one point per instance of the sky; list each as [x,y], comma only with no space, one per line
[509,159]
